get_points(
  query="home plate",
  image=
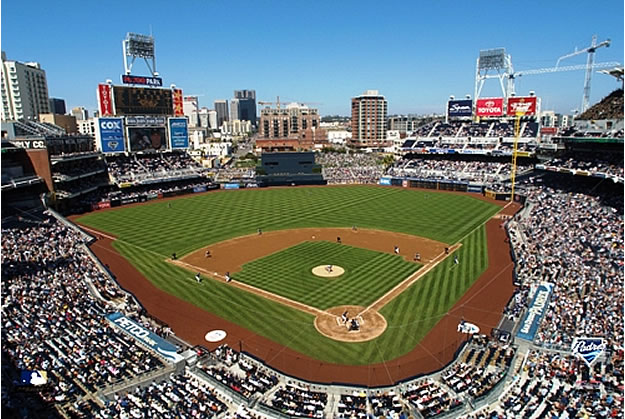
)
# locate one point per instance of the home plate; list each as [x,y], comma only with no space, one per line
[215,335]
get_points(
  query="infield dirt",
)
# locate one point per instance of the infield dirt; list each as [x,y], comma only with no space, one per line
[481,305]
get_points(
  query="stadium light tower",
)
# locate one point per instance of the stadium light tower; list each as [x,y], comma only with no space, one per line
[489,62]
[139,46]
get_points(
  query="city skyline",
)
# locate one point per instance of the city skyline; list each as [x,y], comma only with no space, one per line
[416,55]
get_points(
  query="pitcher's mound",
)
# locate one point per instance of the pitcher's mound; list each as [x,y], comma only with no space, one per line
[328,271]
[371,324]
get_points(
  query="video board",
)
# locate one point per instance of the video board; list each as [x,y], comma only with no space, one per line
[147,138]
[142,101]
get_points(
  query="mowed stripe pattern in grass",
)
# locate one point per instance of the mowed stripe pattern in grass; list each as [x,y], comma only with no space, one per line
[196,221]
[368,274]
[150,233]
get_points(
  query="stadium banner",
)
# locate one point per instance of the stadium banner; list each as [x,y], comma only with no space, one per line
[101,205]
[132,200]
[535,312]
[143,80]
[492,106]
[460,108]
[521,106]
[116,203]
[231,186]
[105,104]
[176,95]
[110,135]
[198,189]
[145,336]
[147,138]
[178,133]
[385,181]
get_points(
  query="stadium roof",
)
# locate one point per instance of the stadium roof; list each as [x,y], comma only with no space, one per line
[616,72]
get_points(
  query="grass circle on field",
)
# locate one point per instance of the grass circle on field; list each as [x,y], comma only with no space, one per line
[322,271]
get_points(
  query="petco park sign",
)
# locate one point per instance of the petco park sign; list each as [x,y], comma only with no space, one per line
[489,107]
[145,336]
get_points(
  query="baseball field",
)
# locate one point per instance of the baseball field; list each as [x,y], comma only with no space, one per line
[371,232]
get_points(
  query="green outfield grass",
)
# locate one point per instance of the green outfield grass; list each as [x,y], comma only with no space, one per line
[368,274]
[149,233]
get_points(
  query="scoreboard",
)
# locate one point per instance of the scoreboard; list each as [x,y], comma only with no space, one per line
[142,101]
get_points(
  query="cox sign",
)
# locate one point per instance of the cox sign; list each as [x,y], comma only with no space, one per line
[111,133]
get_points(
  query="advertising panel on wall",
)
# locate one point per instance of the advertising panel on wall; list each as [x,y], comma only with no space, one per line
[460,108]
[178,133]
[110,135]
[145,336]
[177,102]
[492,106]
[385,181]
[521,106]
[142,101]
[105,104]
[535,312]
[147,138]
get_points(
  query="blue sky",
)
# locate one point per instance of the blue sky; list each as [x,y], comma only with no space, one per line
[416,53]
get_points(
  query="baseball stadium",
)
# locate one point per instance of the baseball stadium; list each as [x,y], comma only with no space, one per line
[472,267]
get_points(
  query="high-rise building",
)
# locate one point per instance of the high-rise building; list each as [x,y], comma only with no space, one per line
[247,105]
[369,120]
[221,107]
[191,109]
[24,90]
[234,110]
[57,106]
[80,113]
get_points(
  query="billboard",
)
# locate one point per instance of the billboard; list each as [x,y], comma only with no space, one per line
[521,106]
[177,102]
[145,336]
[142,101]
[535,312]
[492,106]
[146,81]
[104,100]
[178,133]
[147,138]
[111,135]
[459,108]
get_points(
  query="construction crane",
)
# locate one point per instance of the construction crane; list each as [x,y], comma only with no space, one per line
[589,67]
[277,103]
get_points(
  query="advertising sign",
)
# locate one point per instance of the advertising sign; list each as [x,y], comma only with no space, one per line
[145,336]
[385,181]
[492,106]
[104,100]
[535,312]
[521,105]
[178,133]
[147,138]
[231,186]
[146,81]
[177,101]
[111,133]
[460,108]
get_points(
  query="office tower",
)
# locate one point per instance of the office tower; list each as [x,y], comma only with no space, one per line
[247,105]
[57,106]
[24,90]
[221,107]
